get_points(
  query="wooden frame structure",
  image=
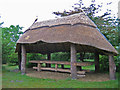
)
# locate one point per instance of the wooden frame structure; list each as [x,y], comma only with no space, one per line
[23,61]
[74,34]
[62,63]
[73,63]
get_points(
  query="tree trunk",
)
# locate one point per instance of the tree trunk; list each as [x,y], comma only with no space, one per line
[19,58]
[96,62]
[73,60]
[23,63]
[112,68]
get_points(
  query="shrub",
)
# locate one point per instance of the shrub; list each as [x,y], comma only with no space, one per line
[61,56]
[104,63]
[34,56]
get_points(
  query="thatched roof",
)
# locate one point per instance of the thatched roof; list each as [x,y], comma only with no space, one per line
[57,35]
[72,19]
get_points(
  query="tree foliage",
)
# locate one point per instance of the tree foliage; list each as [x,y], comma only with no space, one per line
[106,24]
[10,35]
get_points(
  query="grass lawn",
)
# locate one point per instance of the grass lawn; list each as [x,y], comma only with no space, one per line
[16,80]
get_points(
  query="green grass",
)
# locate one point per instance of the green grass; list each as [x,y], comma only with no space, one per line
[91,67]
[16,80]
[8,68]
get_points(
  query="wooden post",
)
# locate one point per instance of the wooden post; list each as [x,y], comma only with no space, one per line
[23,63]
[49,58]
[56,66]
[62,66]
[112,68]
[96,62]
[39,67]
[19,58]
[73,60]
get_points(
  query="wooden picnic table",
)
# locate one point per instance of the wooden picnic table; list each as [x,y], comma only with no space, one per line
[39,66]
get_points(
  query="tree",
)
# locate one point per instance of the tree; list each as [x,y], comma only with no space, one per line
[9,37]
[1,39]
[105,23]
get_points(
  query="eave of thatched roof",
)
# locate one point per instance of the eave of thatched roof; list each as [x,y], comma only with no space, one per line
[56,35]
[58,38]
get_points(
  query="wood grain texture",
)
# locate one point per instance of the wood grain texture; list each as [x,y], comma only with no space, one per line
[73,60]
[112,68]
[23,63]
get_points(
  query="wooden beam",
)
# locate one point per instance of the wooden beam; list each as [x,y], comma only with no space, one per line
[97,62]
[23,63]
[112,68]
[61,70]
[62,62]
[73,60]
[19,58]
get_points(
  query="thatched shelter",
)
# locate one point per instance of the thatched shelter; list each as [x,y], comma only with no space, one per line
[75,33]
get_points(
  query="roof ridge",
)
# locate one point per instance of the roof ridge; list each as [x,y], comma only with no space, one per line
[71,19]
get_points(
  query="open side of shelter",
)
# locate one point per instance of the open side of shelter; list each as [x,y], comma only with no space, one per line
[74,34]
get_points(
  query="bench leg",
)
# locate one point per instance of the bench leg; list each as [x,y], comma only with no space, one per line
[39,67]
[56,67]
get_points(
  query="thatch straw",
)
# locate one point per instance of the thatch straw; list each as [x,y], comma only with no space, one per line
[58,36]
[72,19]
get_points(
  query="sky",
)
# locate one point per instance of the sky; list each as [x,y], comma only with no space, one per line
[24,12]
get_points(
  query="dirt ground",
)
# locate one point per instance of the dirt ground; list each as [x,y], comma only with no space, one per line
[91,76]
